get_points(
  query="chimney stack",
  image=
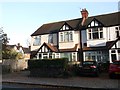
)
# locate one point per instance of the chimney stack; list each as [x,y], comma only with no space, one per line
[84,14]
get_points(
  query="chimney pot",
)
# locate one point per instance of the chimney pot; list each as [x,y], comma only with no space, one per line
[84,13]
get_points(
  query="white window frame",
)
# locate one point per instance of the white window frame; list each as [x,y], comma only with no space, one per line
[90,33]
[69,37]
[117,31]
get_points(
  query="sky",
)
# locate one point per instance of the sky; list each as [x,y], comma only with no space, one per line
[20,19]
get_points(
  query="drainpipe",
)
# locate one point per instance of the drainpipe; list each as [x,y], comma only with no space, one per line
[84,14]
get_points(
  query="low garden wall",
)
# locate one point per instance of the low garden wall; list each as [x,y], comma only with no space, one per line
[11,65]
[47,67]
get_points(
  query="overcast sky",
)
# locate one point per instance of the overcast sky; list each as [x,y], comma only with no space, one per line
[20,19]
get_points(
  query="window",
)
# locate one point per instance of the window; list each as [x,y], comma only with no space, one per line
[66,36]
[89,34]
[37,41]
[96,56]
[113,55]
[45,55]
[117,30]
[95,33]
[61,37]
[71,36]
[50,39]
[73,56]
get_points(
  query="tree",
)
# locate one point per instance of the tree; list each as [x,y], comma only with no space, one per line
[8,53]
[3,37]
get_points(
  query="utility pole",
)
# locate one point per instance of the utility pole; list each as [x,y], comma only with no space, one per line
[84,14]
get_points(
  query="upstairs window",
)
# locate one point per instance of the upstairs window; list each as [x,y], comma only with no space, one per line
[66,36]
[117,30]
[61,37]
[95,33]
[37,41]
[50,39]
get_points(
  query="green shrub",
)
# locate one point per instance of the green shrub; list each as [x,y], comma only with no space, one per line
[47,63]
[47,67]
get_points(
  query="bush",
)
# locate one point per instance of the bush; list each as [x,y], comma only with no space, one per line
[47,63]
[47,67]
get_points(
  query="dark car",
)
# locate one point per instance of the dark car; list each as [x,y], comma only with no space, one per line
[114,69]
[89,68]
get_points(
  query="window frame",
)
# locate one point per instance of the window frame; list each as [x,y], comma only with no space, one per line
[66,36]
[117,31]
[37,41]
[91,32]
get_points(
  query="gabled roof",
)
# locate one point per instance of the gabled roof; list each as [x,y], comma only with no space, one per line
[52,27]
[111,19]
[49,46]
[106,19]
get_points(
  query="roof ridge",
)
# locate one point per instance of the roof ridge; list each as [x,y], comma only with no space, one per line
[61,21]
[104,14]
[81,18]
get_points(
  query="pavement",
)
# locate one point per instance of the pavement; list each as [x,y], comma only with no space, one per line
[102,81]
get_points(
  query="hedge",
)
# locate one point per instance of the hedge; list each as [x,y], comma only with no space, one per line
[47,67]
[47,63]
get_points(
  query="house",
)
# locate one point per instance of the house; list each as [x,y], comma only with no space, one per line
[18,48]
[87,38]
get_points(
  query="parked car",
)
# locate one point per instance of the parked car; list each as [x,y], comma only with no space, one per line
[89,68]
[114,69]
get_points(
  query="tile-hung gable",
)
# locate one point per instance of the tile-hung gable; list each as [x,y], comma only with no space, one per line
[62,39]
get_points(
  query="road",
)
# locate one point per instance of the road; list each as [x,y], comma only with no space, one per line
[6,86]
[102,81]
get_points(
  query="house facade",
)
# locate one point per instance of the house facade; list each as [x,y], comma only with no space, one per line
[94,38]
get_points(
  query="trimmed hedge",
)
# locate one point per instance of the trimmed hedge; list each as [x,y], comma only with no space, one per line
[48,67]
[47,63]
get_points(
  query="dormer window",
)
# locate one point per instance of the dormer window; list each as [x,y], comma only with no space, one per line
[95,33]
[117,30]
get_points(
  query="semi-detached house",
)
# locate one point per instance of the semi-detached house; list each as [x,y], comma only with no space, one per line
[92,38]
